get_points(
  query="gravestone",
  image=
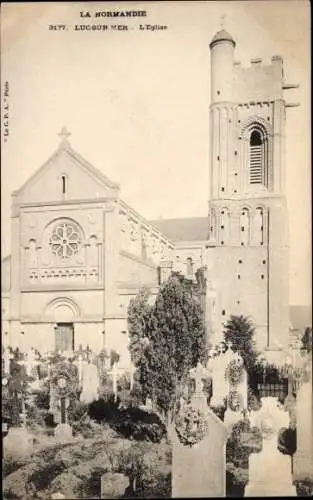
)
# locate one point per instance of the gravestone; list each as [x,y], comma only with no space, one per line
[63,433]
[90,383]
[270,470]
[220,384]
[31,363]
[7,357]
[18,443]
[198,470]
[199,374]
[57,496]
[114,374]
[79,365]
[132,370]
[303,458]
[113,485]
[63,388]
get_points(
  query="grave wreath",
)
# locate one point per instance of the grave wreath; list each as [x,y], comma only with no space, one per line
[234,401]
[191,425]
[234,372]
[64,380]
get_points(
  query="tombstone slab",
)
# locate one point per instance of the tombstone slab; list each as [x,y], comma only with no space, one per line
[90,383]
[231,418]
[199,470]
[63,433]
[270,470]
[303,458]
[18,442]
[113,485]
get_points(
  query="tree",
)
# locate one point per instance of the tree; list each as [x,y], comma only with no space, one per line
[168,339]
[239,331]
[307,339]
[15,392]
[137,315]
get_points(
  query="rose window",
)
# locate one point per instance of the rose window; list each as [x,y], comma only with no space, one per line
[65,240]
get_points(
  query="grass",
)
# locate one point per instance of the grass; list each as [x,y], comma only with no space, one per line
[75,468]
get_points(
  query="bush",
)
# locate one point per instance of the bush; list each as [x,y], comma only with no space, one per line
[148,467]
[254,400]
[140,425]
[9,465]
[208,388]
[42,399]
[35,416]
[129,422]
[77,410]
[123,382]
[103,409]
[105,390]
[304,487]
[236,452]
[236,481]
[9,494]
[287,441]
[45,474]
[219,411]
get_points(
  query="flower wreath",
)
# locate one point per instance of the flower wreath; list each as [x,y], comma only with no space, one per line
[64,380]
[235,401]
[191,425]
[234,372]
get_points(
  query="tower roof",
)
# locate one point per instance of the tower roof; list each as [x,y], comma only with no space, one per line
[222,36]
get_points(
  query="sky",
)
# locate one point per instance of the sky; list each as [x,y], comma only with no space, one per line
[136,102]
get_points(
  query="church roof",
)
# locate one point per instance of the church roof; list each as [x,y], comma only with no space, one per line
[220,36]
[191,229]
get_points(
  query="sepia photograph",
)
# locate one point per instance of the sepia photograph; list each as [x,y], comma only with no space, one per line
[156,302]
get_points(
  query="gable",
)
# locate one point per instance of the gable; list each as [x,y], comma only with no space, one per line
[81,181]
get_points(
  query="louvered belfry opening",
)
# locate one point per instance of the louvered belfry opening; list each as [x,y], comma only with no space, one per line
[256,158]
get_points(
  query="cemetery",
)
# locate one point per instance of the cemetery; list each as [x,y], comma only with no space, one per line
[188,420]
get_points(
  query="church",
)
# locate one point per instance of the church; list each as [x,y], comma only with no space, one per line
[80,253]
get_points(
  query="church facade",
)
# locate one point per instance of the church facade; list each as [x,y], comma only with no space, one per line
[80,253]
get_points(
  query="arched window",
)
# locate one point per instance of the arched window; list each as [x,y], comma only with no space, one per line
[63,184]
[258,157]
[244,227]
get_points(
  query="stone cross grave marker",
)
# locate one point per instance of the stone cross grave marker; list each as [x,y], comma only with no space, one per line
[7,356]
[113,372]
[80,368]
[63,386]
[198,374]
[31,363]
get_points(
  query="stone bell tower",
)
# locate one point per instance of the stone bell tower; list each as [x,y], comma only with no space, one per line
[248,220]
